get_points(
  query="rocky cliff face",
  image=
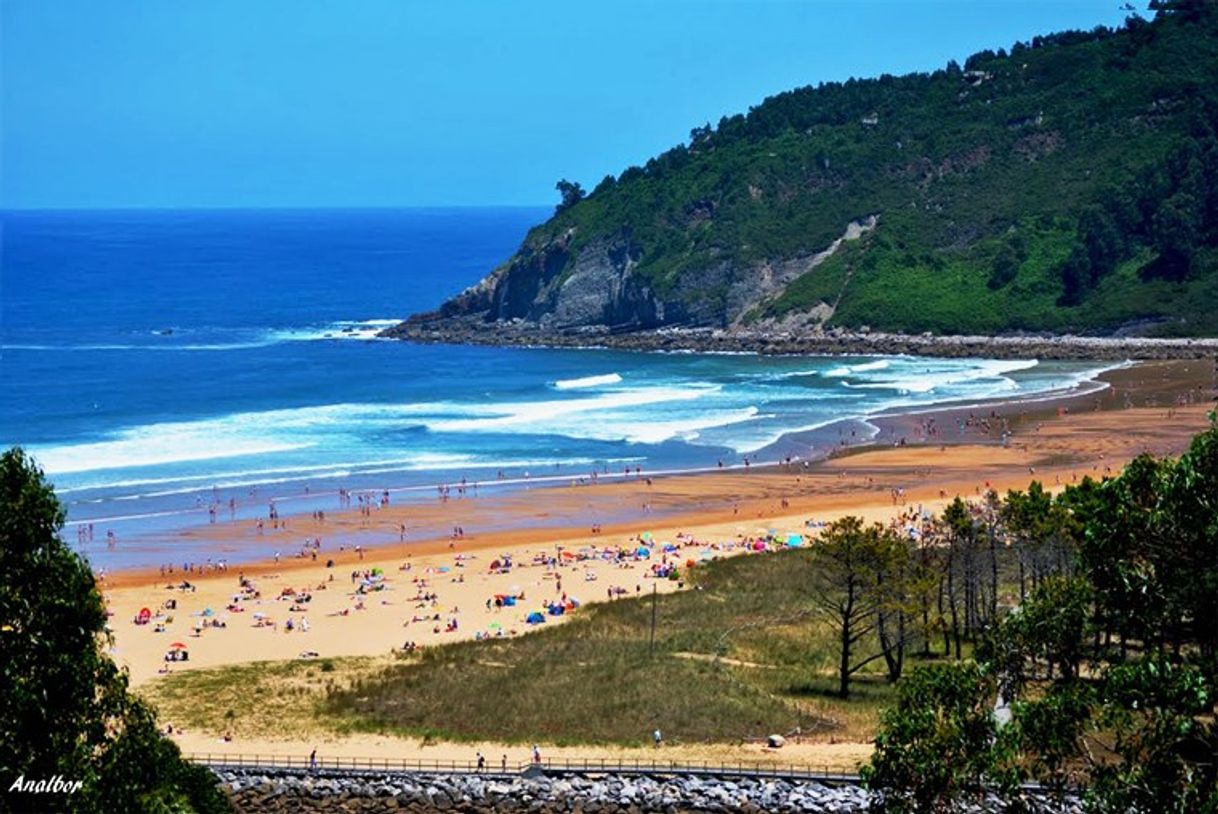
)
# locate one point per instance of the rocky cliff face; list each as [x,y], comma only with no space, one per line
[558,286]
[554,286]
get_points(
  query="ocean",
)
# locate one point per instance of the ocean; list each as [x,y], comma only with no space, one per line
[160,365]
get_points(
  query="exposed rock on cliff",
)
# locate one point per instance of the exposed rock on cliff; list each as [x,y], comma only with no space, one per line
[555,286]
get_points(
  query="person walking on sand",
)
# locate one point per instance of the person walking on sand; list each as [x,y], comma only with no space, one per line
[481,763]
[536,754]
[313,759]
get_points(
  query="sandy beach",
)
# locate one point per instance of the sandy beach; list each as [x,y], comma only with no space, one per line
[429,592]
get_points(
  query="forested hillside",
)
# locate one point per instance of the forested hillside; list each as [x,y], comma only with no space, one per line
[1066,184]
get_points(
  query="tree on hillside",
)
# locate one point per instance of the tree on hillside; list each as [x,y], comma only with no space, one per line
[64,706]
[858,587]
[571,192]
[1177,228]
[1005,267]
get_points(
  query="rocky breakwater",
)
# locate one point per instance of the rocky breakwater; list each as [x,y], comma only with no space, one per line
[478,331]
[258,791]
[262,790]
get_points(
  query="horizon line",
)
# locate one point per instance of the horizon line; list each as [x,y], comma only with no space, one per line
[272,208]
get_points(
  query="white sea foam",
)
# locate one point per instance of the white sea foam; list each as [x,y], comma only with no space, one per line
[206,481]
[655,432]
[587,381]
[121,517]
[245,434]
[926,381]
[790,374]
[846,370]
[879,364]
[291,429]
[151,446]
[426,462]
[364,329]
[548,417]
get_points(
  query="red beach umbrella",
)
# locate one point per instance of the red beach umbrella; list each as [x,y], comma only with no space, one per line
[177,646]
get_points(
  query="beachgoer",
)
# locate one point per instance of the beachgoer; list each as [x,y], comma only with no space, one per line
[313,759]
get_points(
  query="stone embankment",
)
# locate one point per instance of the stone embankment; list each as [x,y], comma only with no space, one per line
[263,791]
[481,332]
[260,791]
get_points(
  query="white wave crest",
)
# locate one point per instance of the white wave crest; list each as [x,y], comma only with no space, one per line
[926,381]
[547,417]
[863,367]
[151,446]
[365,329]
[587,381]
[687,429]
[291,429]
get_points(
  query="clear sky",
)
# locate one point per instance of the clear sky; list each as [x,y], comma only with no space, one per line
[255,103]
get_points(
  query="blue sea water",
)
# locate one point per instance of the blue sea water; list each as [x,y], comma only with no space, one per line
[156,363]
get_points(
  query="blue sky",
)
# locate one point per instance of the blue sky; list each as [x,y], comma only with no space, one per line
[409,103]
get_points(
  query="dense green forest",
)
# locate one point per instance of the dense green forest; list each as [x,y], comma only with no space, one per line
[1069,183]
[1107,662]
